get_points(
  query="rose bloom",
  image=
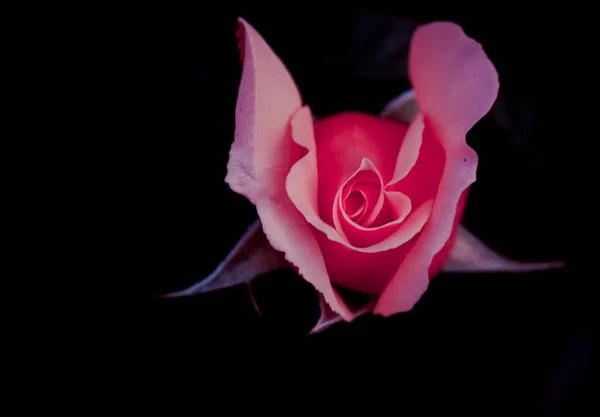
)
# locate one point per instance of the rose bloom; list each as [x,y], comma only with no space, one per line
[363,202]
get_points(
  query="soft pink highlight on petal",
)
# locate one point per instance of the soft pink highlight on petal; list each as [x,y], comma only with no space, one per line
[423,180]
[409,151]
[302,180]
[263,153]
[400,204]
[455,85]
[438,261]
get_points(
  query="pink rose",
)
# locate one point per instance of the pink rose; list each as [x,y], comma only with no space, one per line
[355,200]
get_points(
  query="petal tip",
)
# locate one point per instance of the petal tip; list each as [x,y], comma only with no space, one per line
[242,23]
[443,57]
[240,35]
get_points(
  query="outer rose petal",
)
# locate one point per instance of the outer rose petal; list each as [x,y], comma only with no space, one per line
[440,258]
[262,155]
[455,85]
[262,151]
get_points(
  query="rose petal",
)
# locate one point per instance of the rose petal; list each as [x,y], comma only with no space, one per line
[423,180]
[301,186]
[454,81]
[368,270]
[364,236]
[455,85]
[355,204]
[409,151]
[438,261]
[343,140]
[367,273]
[367,185]
[262,155]
[366,167]
[262,151]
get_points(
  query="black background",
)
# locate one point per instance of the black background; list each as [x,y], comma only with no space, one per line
[519,344]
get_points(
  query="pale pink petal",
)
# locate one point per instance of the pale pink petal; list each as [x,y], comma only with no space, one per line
[455,85]
[400,204]
[438,261]
[302,180]
[422,181]
[409,151]
[263,153]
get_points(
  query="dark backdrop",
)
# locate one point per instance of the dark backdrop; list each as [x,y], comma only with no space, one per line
[521,344]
